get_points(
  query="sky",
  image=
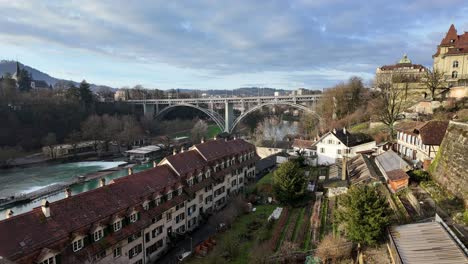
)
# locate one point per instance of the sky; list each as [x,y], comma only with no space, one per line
[207,44]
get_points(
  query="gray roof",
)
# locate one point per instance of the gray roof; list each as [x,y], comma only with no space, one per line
[426,243]
[390,161]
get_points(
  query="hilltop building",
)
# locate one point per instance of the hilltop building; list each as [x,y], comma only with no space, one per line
[452,57]
[133,219]
[404,74]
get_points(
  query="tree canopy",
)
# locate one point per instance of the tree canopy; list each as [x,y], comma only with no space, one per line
[289,182]
[364,214]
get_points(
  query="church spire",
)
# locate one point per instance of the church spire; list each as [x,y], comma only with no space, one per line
[17,69]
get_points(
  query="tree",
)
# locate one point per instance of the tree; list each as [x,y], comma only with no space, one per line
[92,129]
[334,249]
[86,96]
[130,131]
[7,87]
[74,139]
[434,80]
[389,104]
[364,214]
[24,80]
[49,141]
[289,182]
[73,92]
[199,130]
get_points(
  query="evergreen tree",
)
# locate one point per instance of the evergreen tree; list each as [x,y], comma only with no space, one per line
[73,93]
[364,214]
[24,80]
[86,96]
[289,182]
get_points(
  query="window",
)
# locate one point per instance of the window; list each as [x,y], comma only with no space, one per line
[135,251]
[233,183]
[191,210]
[322,150]
[200,198]
[208,199]
[454,74]
[133,217]
[190,181]
[158,201]
[157,231]
[146,206]
[117,252]
[77,245]
[133,237]
[168,216]
[169,196]
[179,206]
[98,235]
[455,64]
[180,218]
[207,174]
[330,141]
[50,260]
[117,225]
[338,151]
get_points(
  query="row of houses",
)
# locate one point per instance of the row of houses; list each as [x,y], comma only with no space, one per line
[135,218]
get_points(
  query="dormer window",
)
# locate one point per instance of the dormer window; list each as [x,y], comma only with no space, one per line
[200,177]
[169,196]
[50,260]
[98,234]
[452,41]
[179,191]
[133,217]
[207,174]
[190,181]
[455,64]
[158,201]
[146,205]
[77,244]
[117,225]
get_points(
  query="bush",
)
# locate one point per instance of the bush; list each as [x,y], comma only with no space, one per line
[419,175]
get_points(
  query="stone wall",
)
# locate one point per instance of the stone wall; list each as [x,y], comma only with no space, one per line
[450,166]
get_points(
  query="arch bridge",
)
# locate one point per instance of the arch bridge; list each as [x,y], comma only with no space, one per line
[157,108]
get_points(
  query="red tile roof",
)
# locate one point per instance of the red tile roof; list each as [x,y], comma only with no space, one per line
[431,132]
[458,43]
[216,149]
[187,161]
[396,175]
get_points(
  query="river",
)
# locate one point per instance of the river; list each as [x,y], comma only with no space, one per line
[277,129]
[24,180]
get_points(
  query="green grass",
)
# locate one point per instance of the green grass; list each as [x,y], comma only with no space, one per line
[212,131]
[240,227]
[323,217]
[299,222]
[359,127]
[267,179]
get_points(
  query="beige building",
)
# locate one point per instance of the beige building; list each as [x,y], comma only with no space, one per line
[452,57]
[404,74]
[133,219]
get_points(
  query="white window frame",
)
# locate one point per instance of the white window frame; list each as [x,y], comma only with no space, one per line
[50,260]
[133,217]
[77,244]
[117,225]
[117,252]
[98,234]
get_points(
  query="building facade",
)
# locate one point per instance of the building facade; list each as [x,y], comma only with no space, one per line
[420,141]
[338,143]
[452,57]
[135,218]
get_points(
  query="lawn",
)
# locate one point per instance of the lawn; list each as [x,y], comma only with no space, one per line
[244,237]
[267,179]
[211,132]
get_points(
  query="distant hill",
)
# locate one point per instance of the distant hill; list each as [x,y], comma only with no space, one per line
[7,66]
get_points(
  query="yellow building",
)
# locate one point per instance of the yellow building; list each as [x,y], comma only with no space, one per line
[452,57]
[404,74]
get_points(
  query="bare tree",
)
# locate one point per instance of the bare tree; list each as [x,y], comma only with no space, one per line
[92,129]
[74,139]
[199,130]
[334,249]
[389,104]
[434,80]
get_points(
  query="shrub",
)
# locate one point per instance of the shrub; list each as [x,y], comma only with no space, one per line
[419,175]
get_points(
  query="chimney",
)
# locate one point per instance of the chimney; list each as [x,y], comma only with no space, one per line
[334,131]
[344,169]
[235,137]
[344,130]
[174,151]
[130,171]
[67,192]
[154,164]
[202,140]
[102,182]
[45,208]
[9,213]
[226,139]
[182,150]
[215,138]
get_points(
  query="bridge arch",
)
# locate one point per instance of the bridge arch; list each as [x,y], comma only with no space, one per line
[257,107]
[213,115]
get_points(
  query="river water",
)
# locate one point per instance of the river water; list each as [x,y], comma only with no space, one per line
[278,129]
[24,180]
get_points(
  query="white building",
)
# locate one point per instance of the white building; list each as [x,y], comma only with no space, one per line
[333,145]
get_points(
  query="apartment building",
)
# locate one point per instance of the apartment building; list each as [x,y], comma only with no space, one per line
[132,219]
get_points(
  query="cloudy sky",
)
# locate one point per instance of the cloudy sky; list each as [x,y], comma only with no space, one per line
[210,44]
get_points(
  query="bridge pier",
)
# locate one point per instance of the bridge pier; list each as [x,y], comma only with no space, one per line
[228,116]
[149,110]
